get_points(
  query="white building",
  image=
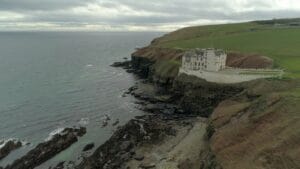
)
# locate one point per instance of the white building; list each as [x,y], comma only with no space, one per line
[204,59]
[210,65]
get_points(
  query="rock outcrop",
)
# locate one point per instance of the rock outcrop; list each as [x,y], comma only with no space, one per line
[8,147]
[201,97]
[120,148]
[45,151]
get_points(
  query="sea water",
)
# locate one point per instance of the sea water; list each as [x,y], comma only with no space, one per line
[53,80]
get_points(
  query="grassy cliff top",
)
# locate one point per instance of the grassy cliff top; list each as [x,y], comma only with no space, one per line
[278,39]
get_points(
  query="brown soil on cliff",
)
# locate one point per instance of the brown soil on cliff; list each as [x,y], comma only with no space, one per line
[260,133]
[239,60]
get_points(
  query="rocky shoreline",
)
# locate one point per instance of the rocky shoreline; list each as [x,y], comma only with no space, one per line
[138,144]
[176,122]
[47,150]
[178,109]
[8,147]
[176,132]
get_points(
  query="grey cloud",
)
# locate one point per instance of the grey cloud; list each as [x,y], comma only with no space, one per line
[158,12]
[23,5]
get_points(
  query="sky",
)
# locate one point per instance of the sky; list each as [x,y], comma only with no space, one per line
[136,15]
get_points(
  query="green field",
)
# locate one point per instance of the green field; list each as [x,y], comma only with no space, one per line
[281,43]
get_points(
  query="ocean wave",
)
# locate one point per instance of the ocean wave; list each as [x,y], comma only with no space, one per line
[71,91]
[54,132]
[15,140]
[84,121]
[89,65]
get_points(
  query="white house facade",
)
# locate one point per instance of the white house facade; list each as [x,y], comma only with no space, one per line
[204,59]
[210,64]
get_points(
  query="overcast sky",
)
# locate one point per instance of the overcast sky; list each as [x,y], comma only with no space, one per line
[136,15]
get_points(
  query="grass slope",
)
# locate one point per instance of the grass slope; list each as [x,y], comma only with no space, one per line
[281,43]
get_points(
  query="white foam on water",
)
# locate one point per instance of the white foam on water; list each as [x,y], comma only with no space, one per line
[4,141]
[89,65]
[84,121]
[53,133]
[106,117]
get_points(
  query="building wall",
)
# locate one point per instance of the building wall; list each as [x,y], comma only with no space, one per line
[210,64]
[208,60]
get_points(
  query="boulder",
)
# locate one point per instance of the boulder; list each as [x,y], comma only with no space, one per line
[88,147]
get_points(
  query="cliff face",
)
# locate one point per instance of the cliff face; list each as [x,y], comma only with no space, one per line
[201,97]
[156,53]
[161,65]
[252,125]
[255,124]
[193,95]
[258,133]
[157,64]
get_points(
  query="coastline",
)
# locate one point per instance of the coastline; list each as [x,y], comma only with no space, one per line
[191,123]
[232,112]
[176,116]
[171,135]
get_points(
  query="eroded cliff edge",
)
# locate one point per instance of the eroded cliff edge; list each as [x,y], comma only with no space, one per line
[251,125]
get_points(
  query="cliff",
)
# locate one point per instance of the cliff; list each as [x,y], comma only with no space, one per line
[251,125]
[162,64]
[258,133]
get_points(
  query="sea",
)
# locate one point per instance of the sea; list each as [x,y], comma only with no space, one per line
[53,80]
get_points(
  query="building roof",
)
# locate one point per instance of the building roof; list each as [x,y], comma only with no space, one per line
[196,52]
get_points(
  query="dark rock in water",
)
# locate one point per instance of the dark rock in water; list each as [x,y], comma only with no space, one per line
[60,165]
[88,147]
[116,122]
[125,64]
[105,120]
[104,124]
[131,89]
[78,131]
[106,117]
[130,71]
[9,147]
[47,150]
